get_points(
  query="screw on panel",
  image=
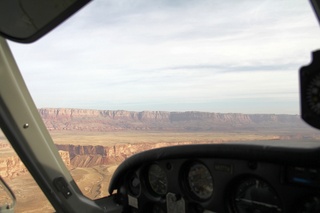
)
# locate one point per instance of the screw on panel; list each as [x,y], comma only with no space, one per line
[25,126]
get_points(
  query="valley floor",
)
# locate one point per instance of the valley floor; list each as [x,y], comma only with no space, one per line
[94,181]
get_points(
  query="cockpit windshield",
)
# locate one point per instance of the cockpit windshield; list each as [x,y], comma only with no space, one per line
[121,77]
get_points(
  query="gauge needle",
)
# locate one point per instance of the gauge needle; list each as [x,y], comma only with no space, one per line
[162,182]
[259,203]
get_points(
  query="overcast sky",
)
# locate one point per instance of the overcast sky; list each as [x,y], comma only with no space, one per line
[181,55]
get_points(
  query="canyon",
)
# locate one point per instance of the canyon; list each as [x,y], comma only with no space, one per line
[108,151]
[92,143]
[75,156]
[121,120]
[90,156]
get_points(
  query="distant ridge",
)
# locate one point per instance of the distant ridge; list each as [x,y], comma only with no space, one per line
[117,120]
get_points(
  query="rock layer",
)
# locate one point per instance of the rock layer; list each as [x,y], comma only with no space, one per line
[108,120]
[88,156]
[12,166]
[120,120]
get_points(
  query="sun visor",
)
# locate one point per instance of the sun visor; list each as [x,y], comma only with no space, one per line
[26,21]
[316,7]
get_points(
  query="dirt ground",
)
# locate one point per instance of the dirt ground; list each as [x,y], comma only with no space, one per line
[93,182]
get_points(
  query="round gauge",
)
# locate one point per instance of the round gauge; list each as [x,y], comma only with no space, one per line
[134,185]
[255,195]
[157,179]
[200,181]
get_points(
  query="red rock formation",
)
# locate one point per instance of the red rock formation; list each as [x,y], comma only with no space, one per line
[108,120]
[88,156]
[65,157]
[11,167]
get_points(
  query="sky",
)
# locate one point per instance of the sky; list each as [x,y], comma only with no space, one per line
[183,55]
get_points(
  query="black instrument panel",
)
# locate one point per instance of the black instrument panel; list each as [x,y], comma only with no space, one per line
[181,183]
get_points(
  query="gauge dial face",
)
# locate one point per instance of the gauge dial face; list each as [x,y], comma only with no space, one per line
[255,195]
[200,181]
[158,180]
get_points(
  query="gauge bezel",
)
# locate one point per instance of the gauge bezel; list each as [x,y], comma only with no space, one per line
[185,184]
[236,184]
[148,183]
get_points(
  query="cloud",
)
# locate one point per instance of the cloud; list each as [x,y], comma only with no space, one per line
[179,54]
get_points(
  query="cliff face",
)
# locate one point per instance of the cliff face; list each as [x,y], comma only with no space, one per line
[11,166]
[82,156]
[88,156]
[108,120]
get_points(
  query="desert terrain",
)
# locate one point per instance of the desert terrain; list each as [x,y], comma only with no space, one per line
[93,143]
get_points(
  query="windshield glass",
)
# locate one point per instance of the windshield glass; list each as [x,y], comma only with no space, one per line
[122,77]
[211,56]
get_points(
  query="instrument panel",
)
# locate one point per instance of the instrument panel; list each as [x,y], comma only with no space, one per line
[198,184]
